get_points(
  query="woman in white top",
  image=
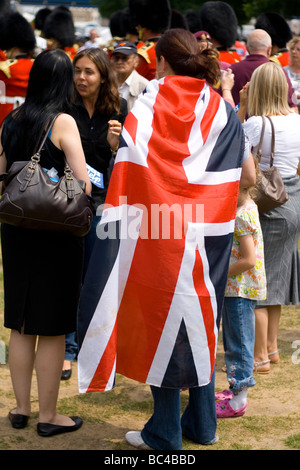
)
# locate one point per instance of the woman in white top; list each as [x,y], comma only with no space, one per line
[267,96]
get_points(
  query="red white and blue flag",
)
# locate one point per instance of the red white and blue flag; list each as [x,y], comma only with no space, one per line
[154,289]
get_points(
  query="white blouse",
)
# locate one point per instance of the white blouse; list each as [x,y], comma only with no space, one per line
[287,141]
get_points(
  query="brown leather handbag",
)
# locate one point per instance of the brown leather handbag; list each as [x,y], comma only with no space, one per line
[30,199]
[270,191]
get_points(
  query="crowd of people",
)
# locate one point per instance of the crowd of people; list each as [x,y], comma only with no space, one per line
[171,110]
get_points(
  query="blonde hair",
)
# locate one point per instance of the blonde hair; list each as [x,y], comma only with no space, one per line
[292,43]
[268,91]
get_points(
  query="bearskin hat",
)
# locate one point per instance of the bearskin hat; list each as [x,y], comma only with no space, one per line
[178,20]
[59,25]
[16,31]
[120,24]
[193,21]
[40,18]
[152,14]
[5,7]
[220,21]
[276,26]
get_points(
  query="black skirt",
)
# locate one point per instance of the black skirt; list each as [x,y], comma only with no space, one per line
[42,280]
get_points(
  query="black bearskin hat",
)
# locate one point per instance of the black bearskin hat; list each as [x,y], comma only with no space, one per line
[59,25]
[16,31]
[117,24]
[276,26]
[193,21]
[178,20]
[5,7]
[220,21]
[152,14]
[120,24]
[40,18]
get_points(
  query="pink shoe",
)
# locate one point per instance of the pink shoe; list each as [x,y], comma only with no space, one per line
[224,409]
[223,395]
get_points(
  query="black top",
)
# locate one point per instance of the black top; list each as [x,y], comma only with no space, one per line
[51,156]
[93,133]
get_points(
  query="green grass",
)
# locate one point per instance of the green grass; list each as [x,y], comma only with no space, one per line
[130,404]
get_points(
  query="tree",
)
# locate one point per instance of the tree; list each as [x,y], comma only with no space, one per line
[244,9]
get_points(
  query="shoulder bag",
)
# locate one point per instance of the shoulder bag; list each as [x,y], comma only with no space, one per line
[270,191]
[30,199]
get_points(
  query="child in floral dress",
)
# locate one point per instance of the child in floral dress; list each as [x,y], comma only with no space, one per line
[246,284]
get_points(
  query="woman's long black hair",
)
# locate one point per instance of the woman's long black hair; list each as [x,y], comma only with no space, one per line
[49,92]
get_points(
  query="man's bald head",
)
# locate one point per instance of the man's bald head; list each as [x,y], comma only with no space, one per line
[259,42]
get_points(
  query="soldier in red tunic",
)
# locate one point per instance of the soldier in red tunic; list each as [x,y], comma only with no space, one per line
[152,18]
[17,43]
[280,33]
[59,30]
[220,21]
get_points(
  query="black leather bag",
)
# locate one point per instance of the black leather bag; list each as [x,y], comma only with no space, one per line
[30,199]
[270,192]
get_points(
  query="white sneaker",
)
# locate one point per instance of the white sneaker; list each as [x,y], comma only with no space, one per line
[135,439]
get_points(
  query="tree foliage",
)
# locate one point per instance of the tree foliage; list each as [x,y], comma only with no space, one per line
[244,9]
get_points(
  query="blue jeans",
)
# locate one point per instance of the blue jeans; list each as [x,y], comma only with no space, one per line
[71,347]
[238,322]
[165,428]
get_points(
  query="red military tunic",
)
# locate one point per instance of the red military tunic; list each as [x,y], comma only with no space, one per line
[14,73]
[147,63]
[230,56]
[281,58]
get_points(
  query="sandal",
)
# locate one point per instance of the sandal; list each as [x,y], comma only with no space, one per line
[260,368]
[224,410]
[274,361]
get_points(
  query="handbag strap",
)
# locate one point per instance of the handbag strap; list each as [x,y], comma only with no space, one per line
[258,151]
[272,142]
[36,155]
[35,159]
[69,179]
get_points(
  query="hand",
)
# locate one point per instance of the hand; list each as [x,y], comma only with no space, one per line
[227,80]
[114,131]
[244,95]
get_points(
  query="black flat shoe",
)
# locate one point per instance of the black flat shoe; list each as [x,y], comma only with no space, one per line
[18,421]
[66,374]
[47,429]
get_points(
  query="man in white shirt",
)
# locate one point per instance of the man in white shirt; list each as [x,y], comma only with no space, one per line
[125,59]
[93,41]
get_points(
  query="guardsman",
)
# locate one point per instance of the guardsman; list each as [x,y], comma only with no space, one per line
[151,18]
[17,44]
[280,33]
[59,30]
[220,21]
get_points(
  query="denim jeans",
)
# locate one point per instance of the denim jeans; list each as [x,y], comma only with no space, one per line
[71,347]
[238,322]
[165,428]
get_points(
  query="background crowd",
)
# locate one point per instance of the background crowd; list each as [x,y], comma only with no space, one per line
[258,76]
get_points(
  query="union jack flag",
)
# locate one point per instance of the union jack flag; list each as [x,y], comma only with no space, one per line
[151,299]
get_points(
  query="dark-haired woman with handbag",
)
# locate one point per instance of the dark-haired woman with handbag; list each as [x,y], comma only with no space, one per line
[42,270]
[266,95]
[99,112]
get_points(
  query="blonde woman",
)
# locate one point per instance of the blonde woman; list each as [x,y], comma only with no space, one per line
[267,96]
